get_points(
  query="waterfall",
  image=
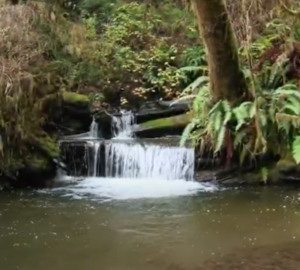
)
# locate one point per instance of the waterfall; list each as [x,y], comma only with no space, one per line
[93,133]
[125,167]
[96,158]
[123,158]
[126,160]
[134,169]
[92,155]
[121,126]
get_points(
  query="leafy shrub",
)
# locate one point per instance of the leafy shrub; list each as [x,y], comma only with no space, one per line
[138,51]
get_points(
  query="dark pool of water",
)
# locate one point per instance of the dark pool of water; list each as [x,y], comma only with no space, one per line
[229,229]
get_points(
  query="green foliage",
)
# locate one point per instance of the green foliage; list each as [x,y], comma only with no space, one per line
[268,121]
[138,49]
[296,149]
[150,49]
[268,124]
[39,48]
[80,45]
[135,46]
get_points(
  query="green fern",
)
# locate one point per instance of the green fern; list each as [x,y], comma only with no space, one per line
[187,132]
[239,138]
[242,114]
[220,139]
[296,149]
[195,85]
[272,117]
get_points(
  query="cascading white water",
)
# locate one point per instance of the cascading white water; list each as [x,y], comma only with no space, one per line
[93,133]
[93,157]
[122,126]
[96,158]
[135,170]
[136,160]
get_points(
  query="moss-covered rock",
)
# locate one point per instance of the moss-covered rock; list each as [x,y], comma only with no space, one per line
[165,126]
[76,99]
[75,114]
[286,165]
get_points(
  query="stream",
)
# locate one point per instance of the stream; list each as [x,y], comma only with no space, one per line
[71,229]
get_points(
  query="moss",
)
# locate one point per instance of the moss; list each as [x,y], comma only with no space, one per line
[49,146]
[173,121]
[38,162]
[76,99]
[285,164]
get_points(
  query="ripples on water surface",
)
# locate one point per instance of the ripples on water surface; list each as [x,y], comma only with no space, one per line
[143,226]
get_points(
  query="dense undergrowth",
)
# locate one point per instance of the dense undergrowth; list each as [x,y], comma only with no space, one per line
[36,41]
[265,127]
[123,53]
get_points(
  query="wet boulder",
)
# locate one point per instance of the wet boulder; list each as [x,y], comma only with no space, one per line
[74,115]
[173,125]
[161,109]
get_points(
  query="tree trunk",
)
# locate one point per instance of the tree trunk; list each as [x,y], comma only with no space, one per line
[226,78]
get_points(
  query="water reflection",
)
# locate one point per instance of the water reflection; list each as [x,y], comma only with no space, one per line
[47,231]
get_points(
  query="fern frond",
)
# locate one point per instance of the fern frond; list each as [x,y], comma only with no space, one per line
[287,118]
[288,86]
[191,68]
[242,113]
[186,133]
[187,97]
[220,139]
[217,119]
[227,111]
[296,149]
[239,138]
[195,84]
[216,107]
[263,117]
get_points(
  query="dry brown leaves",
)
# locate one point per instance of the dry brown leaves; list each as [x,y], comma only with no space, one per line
[21,43]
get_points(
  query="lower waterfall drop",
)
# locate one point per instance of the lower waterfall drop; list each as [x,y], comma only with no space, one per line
[96,158]
[135,160]
[93,148]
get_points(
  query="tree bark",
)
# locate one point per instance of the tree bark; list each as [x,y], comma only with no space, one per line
[226,78]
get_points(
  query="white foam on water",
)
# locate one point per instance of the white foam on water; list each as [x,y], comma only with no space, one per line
[129,188]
